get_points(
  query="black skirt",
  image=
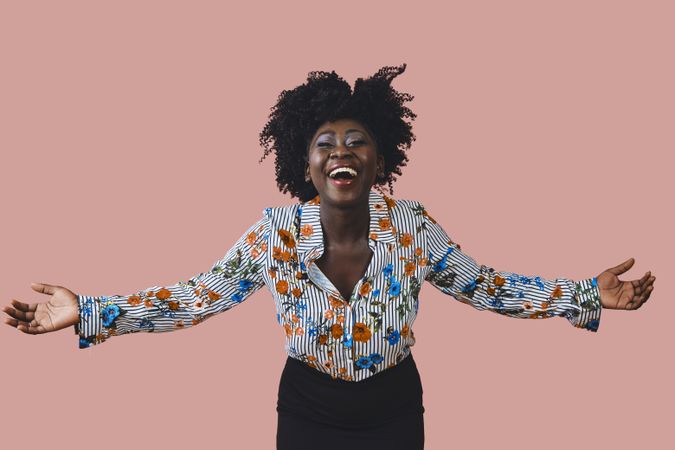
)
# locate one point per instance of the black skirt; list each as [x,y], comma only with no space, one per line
[316,411]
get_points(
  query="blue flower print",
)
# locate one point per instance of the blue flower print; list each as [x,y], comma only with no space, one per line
[393,337]
[109,314]
[395,287]
[364,362]
[84,343]
[469,287]
[245,285]
[376,292]
[593,325]
[237,297]
[594,281]
[376,358]
[537,280]
[388,270]
[279,318]
[347,340]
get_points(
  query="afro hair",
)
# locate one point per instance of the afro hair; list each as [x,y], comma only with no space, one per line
[326,97]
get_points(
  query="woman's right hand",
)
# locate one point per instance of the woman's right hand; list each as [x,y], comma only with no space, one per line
[60,311]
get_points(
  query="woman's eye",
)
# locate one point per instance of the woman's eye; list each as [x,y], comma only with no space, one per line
[357,142]
[323,144]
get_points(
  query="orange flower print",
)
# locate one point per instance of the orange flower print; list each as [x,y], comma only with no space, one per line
[251,238]
[491,290]
[405,330]
[423,262]
[173,306]
[163,294]
[405,239]
[296,292]
[282,287]
[276,252]
[336,331]
[213,296]
[342,370]
[298,275]
[272,272]
[150,294]
[180,324]
[409,268]
[557,292]
[299,331]
[328,364]
[499,281]
[287,238]
[198,304]
[148,303]
[288,329]
[329,353]
[426,214]
[311,358]
[134,300]
[307,230]
[545,305]
[340,318]
[263,246]
[419,251]
[323,339]
[385,224]
[255,253]
[528,306]
[315,201]
[373,236]
[294,318]
[378,206]
[329,314]
[335,302]
[196,320]
[364,289]
[389,201]
[285,256]
[361,332]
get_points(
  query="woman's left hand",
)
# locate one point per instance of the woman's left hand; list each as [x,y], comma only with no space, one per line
[617,294]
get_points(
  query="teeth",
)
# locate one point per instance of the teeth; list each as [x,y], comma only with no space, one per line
[349,170]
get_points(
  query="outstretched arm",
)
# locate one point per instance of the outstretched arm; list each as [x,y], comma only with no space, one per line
[166,308]
[457,274]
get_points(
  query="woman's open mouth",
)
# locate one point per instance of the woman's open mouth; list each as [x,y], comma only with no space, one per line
[342,176]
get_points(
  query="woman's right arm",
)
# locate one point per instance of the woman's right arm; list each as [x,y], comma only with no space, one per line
[229,282]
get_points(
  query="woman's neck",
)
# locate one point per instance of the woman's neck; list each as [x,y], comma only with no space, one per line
[345,226]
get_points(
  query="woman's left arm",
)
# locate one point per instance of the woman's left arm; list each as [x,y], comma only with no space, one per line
[529,297]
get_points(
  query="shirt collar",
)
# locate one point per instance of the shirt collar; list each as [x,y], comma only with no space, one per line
[309,234]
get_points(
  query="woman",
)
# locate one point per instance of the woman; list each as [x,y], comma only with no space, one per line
[345,266]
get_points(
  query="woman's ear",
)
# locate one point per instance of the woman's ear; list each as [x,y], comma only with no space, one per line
[308,178]
[380,166]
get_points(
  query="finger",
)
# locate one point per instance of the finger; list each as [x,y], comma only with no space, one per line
[12,322]
[43,288]
[24,306]
[30,329]
[17,314]
[621,268]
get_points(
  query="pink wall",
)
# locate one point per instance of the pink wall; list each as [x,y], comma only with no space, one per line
[544,147]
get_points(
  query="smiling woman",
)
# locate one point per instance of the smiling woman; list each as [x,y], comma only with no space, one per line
[303,119]
[345,266]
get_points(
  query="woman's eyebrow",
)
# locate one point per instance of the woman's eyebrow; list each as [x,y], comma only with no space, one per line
[333,132]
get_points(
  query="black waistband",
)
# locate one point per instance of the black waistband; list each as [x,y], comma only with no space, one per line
[316,396]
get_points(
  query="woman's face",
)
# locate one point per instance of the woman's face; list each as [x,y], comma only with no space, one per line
[347,146]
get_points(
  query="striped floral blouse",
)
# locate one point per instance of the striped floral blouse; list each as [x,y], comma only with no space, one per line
[350,338]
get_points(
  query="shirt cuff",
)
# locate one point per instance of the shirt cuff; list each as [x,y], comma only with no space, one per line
[587,297]
[89,326]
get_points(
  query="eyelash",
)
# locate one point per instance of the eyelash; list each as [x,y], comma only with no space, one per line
[325,144]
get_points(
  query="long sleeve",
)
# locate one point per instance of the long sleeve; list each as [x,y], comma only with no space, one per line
[457,274]
[230,281]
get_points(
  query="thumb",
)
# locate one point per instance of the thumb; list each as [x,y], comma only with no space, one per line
[43,288]
[621,268]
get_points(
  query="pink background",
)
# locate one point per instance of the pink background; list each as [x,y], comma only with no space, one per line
[125,124]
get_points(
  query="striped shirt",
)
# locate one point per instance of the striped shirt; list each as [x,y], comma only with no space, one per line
[350,338]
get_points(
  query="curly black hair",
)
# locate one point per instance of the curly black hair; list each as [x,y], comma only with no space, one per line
[325,96]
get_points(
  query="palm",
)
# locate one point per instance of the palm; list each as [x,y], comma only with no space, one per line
[617,294]
[60,311]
